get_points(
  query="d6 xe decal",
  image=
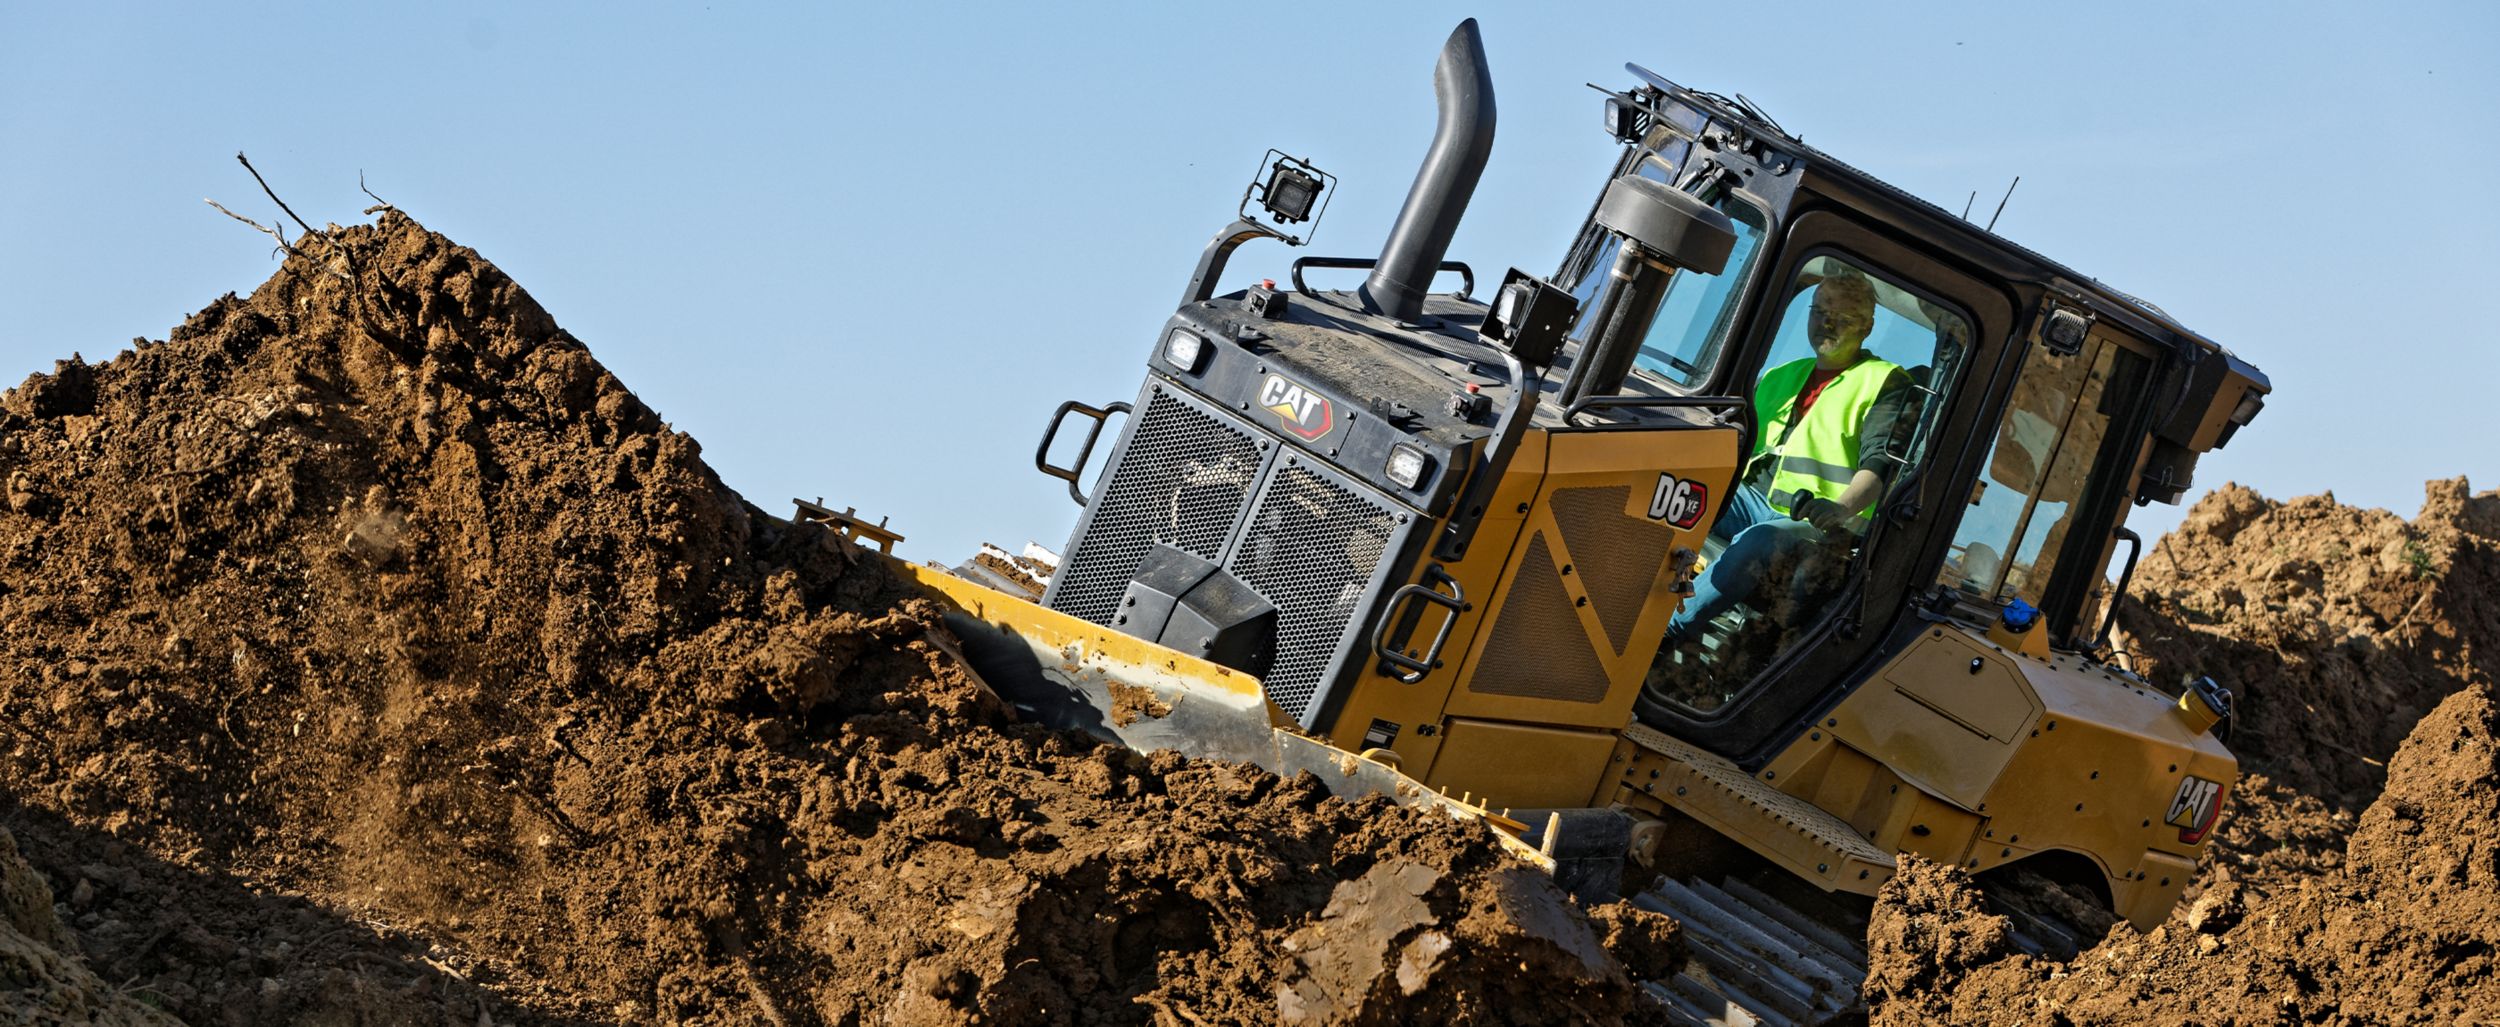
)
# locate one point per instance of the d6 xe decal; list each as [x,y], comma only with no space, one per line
[1679,501]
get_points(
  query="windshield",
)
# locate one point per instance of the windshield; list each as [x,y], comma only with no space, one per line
[1691,327]
[1692,321]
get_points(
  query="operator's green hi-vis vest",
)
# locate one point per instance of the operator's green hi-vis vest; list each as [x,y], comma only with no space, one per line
[1821,454]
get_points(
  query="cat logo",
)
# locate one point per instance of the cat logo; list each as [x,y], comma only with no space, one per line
[1679,502]
[2194,810]
[1304,412]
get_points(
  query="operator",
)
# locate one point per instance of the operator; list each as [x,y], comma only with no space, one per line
[1831,426]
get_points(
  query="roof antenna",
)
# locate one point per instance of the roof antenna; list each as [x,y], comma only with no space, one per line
[2009,194]
[1974,198]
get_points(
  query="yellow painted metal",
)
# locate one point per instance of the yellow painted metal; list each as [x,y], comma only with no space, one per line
[1662,773]
[1084,643]
[1522,766]
[2094,764]
[1877,802]
[1945,716]
[1626,460]
[2152,889]
[2034,642]
[1418,708]
[1978,687]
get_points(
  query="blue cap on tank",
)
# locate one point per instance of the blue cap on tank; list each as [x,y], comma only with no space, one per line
[2019,616]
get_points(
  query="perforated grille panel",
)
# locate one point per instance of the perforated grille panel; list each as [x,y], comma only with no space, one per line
[1311,549]
[1182,480]
[1619,556]
[1538,649]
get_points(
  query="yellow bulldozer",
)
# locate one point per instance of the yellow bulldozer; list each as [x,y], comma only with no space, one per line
[1775,520]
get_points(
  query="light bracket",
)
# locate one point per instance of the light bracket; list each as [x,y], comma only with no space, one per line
[1289,190]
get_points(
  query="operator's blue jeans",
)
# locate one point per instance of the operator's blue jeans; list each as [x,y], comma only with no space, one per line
[1758,535]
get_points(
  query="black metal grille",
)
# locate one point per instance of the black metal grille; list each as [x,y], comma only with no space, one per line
[1311,549]
[1619,555]
[1538,649]
[1182,479]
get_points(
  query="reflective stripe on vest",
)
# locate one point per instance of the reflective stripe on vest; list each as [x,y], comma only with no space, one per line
[1820,455]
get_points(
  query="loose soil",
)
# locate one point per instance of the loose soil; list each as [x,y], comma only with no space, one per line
[376,657]
[2357,878]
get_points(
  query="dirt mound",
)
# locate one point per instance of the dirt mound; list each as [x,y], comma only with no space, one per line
[2338,628]
[2357,875]
[2406,933]
[377,657]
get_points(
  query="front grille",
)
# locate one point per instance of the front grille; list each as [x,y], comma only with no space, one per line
[1305,537]
[1182,479]
[1313,548]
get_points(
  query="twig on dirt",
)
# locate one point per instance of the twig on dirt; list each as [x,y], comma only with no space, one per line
[378,202]
[763,999]
[263,229]
[346,265]
[1171,1014]
[273,194]
[2350,751]
[2407,619]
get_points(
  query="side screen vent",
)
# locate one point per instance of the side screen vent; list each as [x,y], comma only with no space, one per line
[1539,650]
[1620,557]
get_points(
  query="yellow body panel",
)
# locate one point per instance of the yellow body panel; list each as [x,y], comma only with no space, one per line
[2094,768]
[1597,568]
[1519,766]
[1603,615]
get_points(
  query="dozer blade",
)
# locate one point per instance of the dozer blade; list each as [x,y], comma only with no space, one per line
[1065,672]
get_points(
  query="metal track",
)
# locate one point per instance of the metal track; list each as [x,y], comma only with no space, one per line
[1756,959]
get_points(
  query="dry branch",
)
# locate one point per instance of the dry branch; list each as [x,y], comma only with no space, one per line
[263,229]
[344,264]
[378,202]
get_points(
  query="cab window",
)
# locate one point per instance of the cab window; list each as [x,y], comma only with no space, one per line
[1849,395]
[2026,498]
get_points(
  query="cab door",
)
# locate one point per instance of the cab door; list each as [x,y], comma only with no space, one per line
[1819,605]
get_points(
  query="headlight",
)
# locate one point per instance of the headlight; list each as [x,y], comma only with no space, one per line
[1406,466]
[1184,350]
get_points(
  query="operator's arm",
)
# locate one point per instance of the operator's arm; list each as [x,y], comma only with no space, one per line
[1883,442]
[1865,487]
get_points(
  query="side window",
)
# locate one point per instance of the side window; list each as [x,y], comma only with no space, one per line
[2026,496]
[1845,405]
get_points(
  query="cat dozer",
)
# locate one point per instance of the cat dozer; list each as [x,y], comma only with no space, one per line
[1433,546]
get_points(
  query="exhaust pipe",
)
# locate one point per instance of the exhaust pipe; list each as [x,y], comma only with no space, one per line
[1463,85]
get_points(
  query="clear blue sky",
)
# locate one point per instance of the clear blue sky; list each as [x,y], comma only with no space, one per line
[862,252]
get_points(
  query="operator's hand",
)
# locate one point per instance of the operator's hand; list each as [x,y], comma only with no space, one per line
[1829,517]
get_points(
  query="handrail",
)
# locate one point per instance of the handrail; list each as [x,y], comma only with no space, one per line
[1466,275]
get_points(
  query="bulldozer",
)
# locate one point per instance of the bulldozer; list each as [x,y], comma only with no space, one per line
[1435,547]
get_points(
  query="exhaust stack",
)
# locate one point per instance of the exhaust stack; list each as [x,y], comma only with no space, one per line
[1463,85]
